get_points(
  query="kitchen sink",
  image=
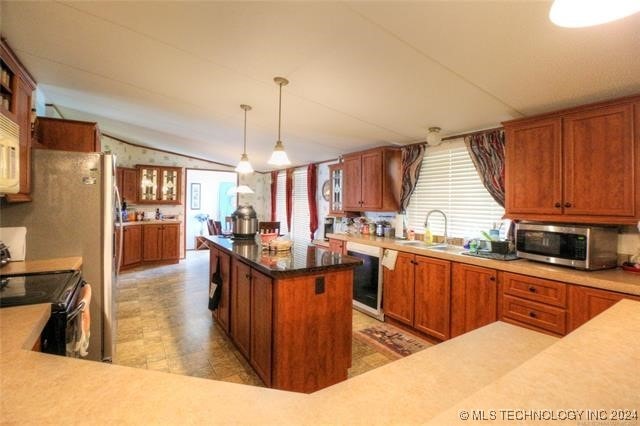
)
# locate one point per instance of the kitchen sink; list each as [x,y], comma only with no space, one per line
[423,245]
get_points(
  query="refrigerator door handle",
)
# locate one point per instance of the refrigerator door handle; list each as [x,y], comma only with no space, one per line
[120,230]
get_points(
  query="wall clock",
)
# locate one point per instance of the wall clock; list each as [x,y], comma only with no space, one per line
[326,190]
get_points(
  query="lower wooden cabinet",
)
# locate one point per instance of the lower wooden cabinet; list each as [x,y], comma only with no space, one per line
[417,293]
[131,245]
[337,246]
[586,302]
[241,306]
[222,314]
[474,295]
[149,243]
[261,326]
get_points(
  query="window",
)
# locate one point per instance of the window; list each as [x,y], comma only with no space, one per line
[300,216]
[449,182]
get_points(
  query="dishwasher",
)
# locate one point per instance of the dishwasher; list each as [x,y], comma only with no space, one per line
[367,279]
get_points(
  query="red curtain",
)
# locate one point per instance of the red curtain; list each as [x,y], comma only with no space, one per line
[289,188]
[274,191]
[312,183]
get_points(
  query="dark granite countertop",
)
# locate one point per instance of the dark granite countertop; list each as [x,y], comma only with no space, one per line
[300,260]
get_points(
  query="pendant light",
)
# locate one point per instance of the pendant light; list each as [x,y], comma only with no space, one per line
[244,166]
[585,13]
[433,136]
[279,156]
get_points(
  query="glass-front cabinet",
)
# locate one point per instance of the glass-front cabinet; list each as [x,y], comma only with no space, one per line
[335,177]
[159,185]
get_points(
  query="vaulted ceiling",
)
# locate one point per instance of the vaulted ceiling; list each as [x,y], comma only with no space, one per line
[172,75]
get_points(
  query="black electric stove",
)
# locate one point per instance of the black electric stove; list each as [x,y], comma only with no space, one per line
[61,290]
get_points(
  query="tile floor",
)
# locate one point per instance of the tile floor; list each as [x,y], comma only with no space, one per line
[164,324]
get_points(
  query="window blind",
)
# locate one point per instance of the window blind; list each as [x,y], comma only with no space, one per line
[449,181]
[300,216]
[281,202]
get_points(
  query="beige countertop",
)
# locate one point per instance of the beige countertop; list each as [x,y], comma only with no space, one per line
[497,366]
[45,265]
[149,222]
[610,279]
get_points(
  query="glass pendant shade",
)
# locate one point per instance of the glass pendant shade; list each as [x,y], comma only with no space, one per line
[240,189]
[586,13]
[279,156]
[244,166]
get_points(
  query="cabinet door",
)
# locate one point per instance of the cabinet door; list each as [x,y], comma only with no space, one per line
[170,185]
[432,296]
[352,183]
[131,245]
[533,168]
[398,287]
[335,179]
[473,298]
[336,246]
[151,242]
[149,182]
[170,242]
[372,172]
[599,162]
[128,185]
[261,336]
[224,310]
[23,116]
[585,303]
[241,306]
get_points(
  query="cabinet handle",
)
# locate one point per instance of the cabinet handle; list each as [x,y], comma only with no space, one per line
[492,278]
[533,314]
[532,289]
[557,205]
[567,204]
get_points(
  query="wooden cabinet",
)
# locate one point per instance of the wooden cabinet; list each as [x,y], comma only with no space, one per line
[159,185]
[473,298]
[337,246]
[261,315]
[586,302]
[241,306]
[131,245]
[336,195]
[578,165]
[68,135]
[222,314]
[16,90]
[160,242]
[372,180]
[418,293]
[127,181]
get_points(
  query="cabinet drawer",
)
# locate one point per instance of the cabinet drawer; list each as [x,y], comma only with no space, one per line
[536,289]
[540,316]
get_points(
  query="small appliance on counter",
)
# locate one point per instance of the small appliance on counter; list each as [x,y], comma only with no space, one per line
[5,255]
[245,223]
[328,226]
[579,246]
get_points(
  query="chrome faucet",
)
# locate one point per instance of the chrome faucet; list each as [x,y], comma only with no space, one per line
[426,222]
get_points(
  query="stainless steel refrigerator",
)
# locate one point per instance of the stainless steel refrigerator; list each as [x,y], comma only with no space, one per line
[73,213]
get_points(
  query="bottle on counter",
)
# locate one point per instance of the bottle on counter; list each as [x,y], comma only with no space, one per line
[158,215]
[124,213]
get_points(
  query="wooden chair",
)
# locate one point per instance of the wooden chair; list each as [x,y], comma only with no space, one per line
[268,227]
[214,226]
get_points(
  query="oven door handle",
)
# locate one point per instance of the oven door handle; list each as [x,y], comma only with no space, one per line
[76,311]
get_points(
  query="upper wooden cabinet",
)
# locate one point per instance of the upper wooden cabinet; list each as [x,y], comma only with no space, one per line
[159,185]
[578,165]
[372,180]
[127,181]
[68,135]
[337,193]
[16,90]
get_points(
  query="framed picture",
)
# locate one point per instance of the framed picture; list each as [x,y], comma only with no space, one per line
[195,196]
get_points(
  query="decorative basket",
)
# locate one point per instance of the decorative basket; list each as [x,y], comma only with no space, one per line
[280,245]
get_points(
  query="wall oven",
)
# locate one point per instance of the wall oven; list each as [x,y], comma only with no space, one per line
[367,280]
[579,246]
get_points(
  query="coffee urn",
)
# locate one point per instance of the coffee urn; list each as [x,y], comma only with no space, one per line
[245,222]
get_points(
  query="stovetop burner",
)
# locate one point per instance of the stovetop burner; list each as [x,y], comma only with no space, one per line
[56,288]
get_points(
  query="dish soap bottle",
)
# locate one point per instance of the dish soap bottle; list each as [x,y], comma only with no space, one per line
[428,236]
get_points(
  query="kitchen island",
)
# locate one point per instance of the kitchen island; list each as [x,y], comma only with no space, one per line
[289,313]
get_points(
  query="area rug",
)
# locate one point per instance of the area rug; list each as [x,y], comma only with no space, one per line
[391,340]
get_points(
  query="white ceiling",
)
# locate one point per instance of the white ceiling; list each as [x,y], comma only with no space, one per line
[172,75]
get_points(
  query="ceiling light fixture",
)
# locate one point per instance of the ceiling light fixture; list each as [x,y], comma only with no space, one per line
[586,13]
[433,136]
[244,166]
[279,156]
[240,189]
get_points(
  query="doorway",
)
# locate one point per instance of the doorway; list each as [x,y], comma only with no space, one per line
[207,198]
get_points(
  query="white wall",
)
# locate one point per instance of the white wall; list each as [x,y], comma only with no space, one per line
[209,192]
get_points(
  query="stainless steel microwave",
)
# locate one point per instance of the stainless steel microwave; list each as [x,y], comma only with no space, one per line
[578,246]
